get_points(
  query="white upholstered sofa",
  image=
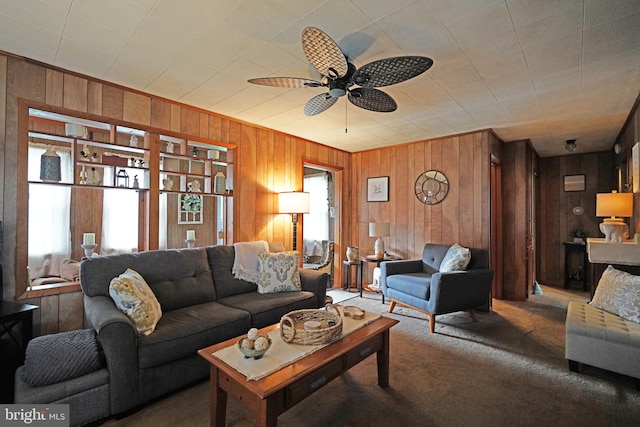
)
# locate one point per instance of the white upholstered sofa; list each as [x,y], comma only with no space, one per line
[605,333]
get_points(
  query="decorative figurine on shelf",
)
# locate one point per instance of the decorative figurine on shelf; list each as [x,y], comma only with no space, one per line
[167,184]
[84,153]
[83,176]
[93,177]
[95,157]
[140,163]
[132,161]
[169,147]
[194,187]
[136,184]
[195,152]
[133,141]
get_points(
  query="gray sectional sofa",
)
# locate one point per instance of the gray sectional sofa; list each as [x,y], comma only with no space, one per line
[202,304]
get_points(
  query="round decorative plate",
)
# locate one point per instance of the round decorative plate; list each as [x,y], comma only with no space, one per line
[578,210]
[431,187]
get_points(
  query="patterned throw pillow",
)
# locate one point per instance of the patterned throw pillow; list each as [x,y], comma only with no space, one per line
[456,259]
[618,292]
[133,296]
[278,272]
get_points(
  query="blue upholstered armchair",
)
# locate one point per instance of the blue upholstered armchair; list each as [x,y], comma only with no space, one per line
[419,284]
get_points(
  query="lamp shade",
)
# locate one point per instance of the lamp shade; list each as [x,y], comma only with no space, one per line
[379,229]
[50,166]
[293,202]
[614,204]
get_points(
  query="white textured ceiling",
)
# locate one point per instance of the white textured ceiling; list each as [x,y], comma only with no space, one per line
[543,70]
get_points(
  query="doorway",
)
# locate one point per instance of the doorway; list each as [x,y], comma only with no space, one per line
[321,226]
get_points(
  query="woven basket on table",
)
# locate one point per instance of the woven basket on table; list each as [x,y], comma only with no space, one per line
[292,327]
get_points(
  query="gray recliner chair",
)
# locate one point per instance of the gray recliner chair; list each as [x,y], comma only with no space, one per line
[419,284]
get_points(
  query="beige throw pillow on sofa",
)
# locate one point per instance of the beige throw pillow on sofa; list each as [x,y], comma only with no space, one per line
[278,272]
[456,259]
[133,296]
[618,292]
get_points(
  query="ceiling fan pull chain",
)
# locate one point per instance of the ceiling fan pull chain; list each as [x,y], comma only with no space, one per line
[345,116]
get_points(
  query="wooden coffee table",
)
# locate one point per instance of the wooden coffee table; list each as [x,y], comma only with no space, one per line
[270,396]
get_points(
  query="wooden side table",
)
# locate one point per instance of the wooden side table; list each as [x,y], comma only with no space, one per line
[581,249]
[16,330]
[377,262]
[346,275]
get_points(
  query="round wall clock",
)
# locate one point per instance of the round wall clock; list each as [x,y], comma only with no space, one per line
[431,187]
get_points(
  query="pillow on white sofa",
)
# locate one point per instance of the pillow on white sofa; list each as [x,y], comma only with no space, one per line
[618,292]
[456,259]
[278,272]
[133,296]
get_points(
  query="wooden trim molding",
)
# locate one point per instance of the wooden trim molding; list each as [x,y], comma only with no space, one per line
[48,290]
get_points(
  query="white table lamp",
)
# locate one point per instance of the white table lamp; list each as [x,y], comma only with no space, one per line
[614,205]
[379,230]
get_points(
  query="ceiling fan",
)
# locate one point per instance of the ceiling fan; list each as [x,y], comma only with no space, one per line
[339,75]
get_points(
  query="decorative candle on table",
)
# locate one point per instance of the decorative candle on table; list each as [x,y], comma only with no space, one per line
[88,243]
[191,238]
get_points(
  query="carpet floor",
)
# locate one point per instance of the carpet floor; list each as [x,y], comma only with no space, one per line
[506,370]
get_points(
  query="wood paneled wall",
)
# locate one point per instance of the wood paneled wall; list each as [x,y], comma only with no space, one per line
[628,137]
[518,203]
[463,216]
[266,162]
[556,217]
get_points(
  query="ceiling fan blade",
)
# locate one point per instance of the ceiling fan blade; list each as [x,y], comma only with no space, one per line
[390,71]
[318,104]
[285,82]
[372,99]
[323,53]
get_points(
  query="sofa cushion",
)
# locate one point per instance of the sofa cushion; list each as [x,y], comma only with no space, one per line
[97,272]
[415,284]
[182,332]
[585,320]
[221,259]
[267,309]
[456,259]
[55,358]
[278,272]
[618,292]
[133,296]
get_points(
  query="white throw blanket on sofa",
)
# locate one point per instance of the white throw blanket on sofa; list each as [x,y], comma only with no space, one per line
[245,263]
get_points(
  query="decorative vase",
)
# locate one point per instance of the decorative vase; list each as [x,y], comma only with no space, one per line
[353,253]
[219,183]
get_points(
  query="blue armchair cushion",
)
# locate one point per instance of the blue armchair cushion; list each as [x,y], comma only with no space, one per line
[414,284]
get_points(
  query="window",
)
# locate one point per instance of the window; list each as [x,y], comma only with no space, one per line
[49,218]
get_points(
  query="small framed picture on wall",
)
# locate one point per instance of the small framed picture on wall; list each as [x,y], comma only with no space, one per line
[378,189]
[574,183]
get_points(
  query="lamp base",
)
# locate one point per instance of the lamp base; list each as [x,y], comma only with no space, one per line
[378,248]
[615,230]
[191,243]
